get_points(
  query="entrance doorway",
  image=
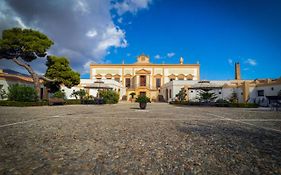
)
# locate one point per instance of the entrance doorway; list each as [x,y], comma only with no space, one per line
[142,93]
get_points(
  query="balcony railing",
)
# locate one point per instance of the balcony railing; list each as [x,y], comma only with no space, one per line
[148,86]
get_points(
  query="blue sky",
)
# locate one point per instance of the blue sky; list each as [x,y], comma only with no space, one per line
[215,33]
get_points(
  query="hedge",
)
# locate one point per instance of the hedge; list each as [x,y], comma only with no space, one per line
[72,102]
[22,93]
[238,105]
[22,104]
[86,101]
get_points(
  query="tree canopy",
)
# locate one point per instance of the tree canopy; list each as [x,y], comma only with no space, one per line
[182,95]
[59,69]
[206,96]
[27,44]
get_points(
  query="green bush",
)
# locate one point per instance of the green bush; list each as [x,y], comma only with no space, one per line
[224,104]
[244,105]
[109,96]
[22,104]
[143,99]
[79,94]
[59,94]
[22,93]
[72,102]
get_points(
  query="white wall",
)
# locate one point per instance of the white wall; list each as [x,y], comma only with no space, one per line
[84,82]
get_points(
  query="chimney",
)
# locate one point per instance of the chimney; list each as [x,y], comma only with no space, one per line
[237,71]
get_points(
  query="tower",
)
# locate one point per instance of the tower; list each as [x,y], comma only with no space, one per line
[181,60]
[237,71]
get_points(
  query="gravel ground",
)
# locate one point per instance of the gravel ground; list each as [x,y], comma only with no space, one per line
[121,139]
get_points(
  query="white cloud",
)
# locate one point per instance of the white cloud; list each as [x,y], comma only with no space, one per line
[86,66]
[82,30]
[81,6]
[251,62]
[112,36]
[120,20]
[157,56]
[131,6]
[20,22]
[230,61]
[92,33]
[169,55]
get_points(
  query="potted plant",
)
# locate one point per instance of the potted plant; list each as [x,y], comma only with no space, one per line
[143,100]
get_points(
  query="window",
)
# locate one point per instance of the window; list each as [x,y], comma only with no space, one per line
[158,82]
[191,91]
[260,93]
[172,79]
[109,78]
[272,88]
[98,78]
[219,92]
[117,79]
[128,82]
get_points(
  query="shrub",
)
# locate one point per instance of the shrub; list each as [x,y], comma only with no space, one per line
[181,95]
[244,105]
[3,94]
[206,96]
[143,99]
[109,96]
[79,94]
[22,93]
[220,100]
[22,104]
[59,94]
[72,102]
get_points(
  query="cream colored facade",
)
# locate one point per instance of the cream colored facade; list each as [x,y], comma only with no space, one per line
[144,77]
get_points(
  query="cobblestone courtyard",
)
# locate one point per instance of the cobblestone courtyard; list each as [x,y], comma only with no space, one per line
[121,139]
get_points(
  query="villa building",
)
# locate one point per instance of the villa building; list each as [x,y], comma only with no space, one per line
[162,82]
[142,77]
[259,91]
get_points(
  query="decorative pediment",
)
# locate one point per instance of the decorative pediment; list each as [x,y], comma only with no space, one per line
[189,77]
[143,59]
[117,76]
[108,76]
[172,76]
[143,71]
[181,77]
[98,76]
[158,76]
[127,75]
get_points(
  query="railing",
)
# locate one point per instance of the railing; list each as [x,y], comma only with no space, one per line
[139,85]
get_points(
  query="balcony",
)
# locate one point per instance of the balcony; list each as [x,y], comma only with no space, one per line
[142,86]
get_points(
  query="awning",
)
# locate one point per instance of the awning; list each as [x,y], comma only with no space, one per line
[97,85]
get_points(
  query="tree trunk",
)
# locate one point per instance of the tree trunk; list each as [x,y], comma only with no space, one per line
[36,83]
[34,76]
